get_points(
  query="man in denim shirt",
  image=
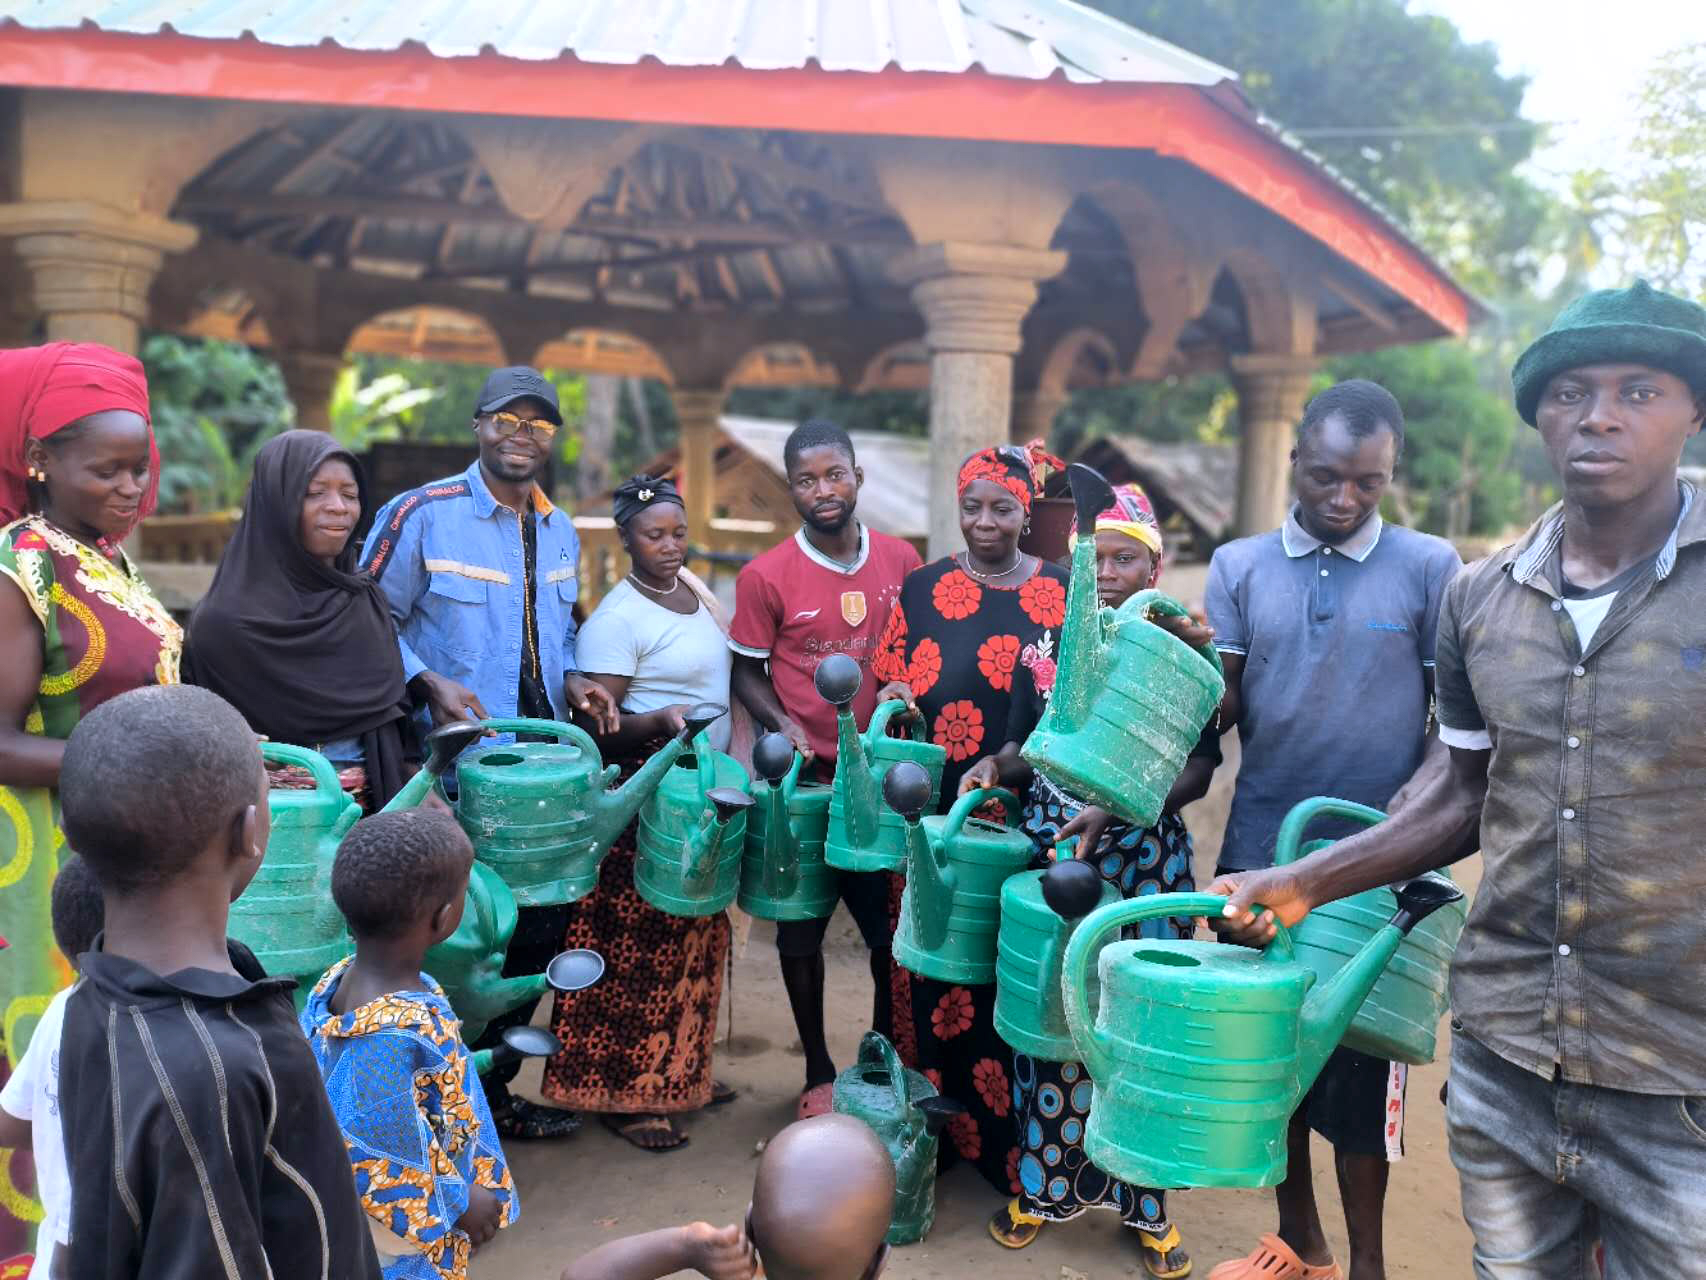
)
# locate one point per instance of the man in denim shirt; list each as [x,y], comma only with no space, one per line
[480,571]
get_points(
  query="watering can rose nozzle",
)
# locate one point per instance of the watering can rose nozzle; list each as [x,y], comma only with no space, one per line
[518,1043]
[772,757]
[447,742]
[1091,495]
[1421,897]
[727,802]
[1072,889]
[699,718]
[574,970]
[938,1111]
[906,787]
[838,679]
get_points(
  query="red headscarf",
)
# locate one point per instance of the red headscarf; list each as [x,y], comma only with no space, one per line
[1019,469]
[45,389]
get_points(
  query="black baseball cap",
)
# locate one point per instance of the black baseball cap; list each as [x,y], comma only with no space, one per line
[508,385]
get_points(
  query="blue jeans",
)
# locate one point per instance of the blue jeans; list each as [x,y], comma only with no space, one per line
[1549,1167]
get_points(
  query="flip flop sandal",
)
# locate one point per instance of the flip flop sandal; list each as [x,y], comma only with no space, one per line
[526,1121]
[721,1094]
[1164,1257]
[1012,1227]
[1274,1259]
[818,1100]
[629,1128]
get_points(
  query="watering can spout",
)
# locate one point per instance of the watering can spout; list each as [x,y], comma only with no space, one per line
[617,807]
[838,679]
[701,846]
[775,760]
[444,744]
[931,881]
[1330,1008]
[1081,635]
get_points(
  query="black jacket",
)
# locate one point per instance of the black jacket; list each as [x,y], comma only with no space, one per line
[198,1135]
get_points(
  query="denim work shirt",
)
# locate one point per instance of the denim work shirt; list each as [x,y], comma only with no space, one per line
[1585,951]
[448,556]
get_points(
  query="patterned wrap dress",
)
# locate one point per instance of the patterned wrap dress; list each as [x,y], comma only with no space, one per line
[958,643]
[103,634]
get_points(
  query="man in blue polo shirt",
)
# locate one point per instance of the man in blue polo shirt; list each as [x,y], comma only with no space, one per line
[481,572]
[1326,629]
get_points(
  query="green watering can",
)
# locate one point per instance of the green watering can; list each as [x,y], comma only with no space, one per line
[782,873]
[1029,1015]
[543,814]
[286,916]
[1399,1019]
[1130,700]
[692,833]
[865,835]
[1202,1051]
[568,971]
[906,1112]
[955,866]
[469,963]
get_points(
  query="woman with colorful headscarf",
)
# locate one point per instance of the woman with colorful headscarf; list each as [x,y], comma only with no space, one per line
[953,643]
[1056,1183]
[78,472]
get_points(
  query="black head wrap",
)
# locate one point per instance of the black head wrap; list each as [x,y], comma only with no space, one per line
[305,650]
[635,495]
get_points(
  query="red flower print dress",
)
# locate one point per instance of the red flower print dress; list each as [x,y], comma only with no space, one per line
[959,643]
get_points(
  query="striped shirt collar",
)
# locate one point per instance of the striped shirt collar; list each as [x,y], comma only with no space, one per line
[1299,542]
[1526,559]
[835,566]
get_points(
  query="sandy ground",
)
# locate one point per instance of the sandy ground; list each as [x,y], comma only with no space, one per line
[593,1187]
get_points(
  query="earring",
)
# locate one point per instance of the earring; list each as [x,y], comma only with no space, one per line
[38,475]
[1027,527]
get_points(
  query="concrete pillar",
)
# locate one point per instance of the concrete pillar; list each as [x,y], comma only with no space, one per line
[1034,413]
[699,415]
[1272,390]
[974,298]
[91,265]
[310,376]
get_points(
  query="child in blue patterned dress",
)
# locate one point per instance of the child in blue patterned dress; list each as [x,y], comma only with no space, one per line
[428,1166]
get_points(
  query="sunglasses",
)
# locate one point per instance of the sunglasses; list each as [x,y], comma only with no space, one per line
[507,424]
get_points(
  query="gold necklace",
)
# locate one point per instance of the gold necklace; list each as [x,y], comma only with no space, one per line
[1018,559]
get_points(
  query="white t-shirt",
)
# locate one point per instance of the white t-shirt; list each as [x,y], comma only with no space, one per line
[32,1093]
[1587,612]
[668,657]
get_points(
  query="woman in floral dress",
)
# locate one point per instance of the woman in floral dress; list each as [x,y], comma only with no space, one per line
[78,472]
[955,639]
[1053,1180]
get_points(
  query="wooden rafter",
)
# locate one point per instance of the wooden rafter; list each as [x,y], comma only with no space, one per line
[783,171]
[324,149]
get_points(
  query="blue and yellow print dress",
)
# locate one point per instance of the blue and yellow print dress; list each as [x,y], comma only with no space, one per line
[415,1119]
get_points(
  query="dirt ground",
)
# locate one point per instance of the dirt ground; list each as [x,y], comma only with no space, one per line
[590,1188]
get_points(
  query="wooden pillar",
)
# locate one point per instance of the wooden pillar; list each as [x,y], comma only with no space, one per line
[974,298]
[310,377]
[1272,390]
[699,414]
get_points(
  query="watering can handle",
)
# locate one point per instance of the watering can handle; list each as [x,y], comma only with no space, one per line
[972,801]
[1288,844]
[1151,601]
[879,726]
[875,1048]
[325,777]
[573,734]
[1081,947]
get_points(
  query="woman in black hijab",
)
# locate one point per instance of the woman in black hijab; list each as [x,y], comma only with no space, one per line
[291,634]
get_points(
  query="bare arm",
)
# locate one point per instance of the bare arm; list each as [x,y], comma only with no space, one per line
[634,728]
[750,681]
[1232,704]
[721,1253]
[1191,785]
[1433,830]
[26,759]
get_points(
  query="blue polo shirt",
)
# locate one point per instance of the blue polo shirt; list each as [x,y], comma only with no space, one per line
[450,559]
[1336,644]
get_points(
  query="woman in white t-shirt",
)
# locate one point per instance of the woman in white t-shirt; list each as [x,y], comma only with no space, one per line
[637,1046]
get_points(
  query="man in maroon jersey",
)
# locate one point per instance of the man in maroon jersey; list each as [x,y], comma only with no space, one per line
[828,589]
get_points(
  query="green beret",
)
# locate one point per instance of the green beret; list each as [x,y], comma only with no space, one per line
[1637,325]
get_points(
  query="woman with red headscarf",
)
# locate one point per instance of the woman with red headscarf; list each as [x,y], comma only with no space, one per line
[78,471]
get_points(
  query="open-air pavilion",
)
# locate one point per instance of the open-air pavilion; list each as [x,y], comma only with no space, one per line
[999,200]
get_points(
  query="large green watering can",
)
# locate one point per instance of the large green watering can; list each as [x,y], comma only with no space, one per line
[286,916]
[692,833]
[782,874]
[1400,1017]
[543,814]
[469,963]
[906,1112]
[1029,1014]
[864,834]
[1130,700]
[955,866]
[1202,1051]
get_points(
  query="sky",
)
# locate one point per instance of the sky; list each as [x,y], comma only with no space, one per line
[1584,64]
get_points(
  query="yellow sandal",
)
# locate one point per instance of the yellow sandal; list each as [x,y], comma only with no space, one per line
[1012,1227]
[1164,1257]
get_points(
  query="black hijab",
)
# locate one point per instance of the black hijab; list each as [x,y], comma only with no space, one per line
[305,650]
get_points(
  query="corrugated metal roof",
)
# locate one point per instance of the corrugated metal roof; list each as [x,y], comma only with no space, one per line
[1024,39]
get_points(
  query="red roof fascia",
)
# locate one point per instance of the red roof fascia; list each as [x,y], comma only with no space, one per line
[1173,120]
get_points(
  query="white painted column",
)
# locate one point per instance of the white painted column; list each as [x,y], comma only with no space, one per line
[1272,390]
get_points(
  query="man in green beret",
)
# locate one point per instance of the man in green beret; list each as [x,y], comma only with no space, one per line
[1571,687]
